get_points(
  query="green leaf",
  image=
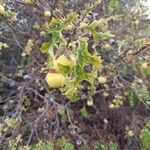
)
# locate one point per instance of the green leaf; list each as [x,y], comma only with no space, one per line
[47,146]
[98,24]
[64,144]
[114,5]
[45,46]
[56,38]
[68,146]
[95,60]
[84,58]
[63,69]
[91,27]
[97,35]
[113,146]
[70,89]
[145,138]
[56,25]
[84,112]
[132,99]
[99,146]
[145,72]
[70,18]
[61,142]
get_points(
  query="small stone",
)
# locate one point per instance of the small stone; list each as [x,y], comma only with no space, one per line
[27,77]
[78,142]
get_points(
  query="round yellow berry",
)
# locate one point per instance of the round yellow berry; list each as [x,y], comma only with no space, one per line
[2,9]
[55,80]
[102,79]
[90,103]
[130,133]
[47,13]
[28,1]
[42,33]
[107,46]
[111,106]
[144,65]
[136,22]
[105,94]
[23,54]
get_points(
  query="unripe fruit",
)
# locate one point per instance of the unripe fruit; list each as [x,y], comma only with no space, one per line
[107,46]
[2,9]
[47,13]
[55,80]
[111,106]
[130,133]
[136,22]
[105,94]
[23,54]
[102,79]
[65,61]
[90,103]
[144,65]
[125,93]
[28,1]
[42,33]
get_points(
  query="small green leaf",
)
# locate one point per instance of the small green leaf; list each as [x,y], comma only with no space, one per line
[145,138]
[99,146]
[113,146]
[132,99]
[84,112]
[64,144]
[45,46]
[114,5]
[70,18]
[63,69]
[56,25]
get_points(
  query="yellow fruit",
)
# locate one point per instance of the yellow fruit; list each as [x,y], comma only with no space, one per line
[107,46]
[111,106]
[136,22]
[144,65]
[125,93]
[90,102]
[55,80]
[105,94]
[102,79]
[130,133]
[47,13]
[42,33]
[23,54]
[2,9]
[65,61]
[28,1]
